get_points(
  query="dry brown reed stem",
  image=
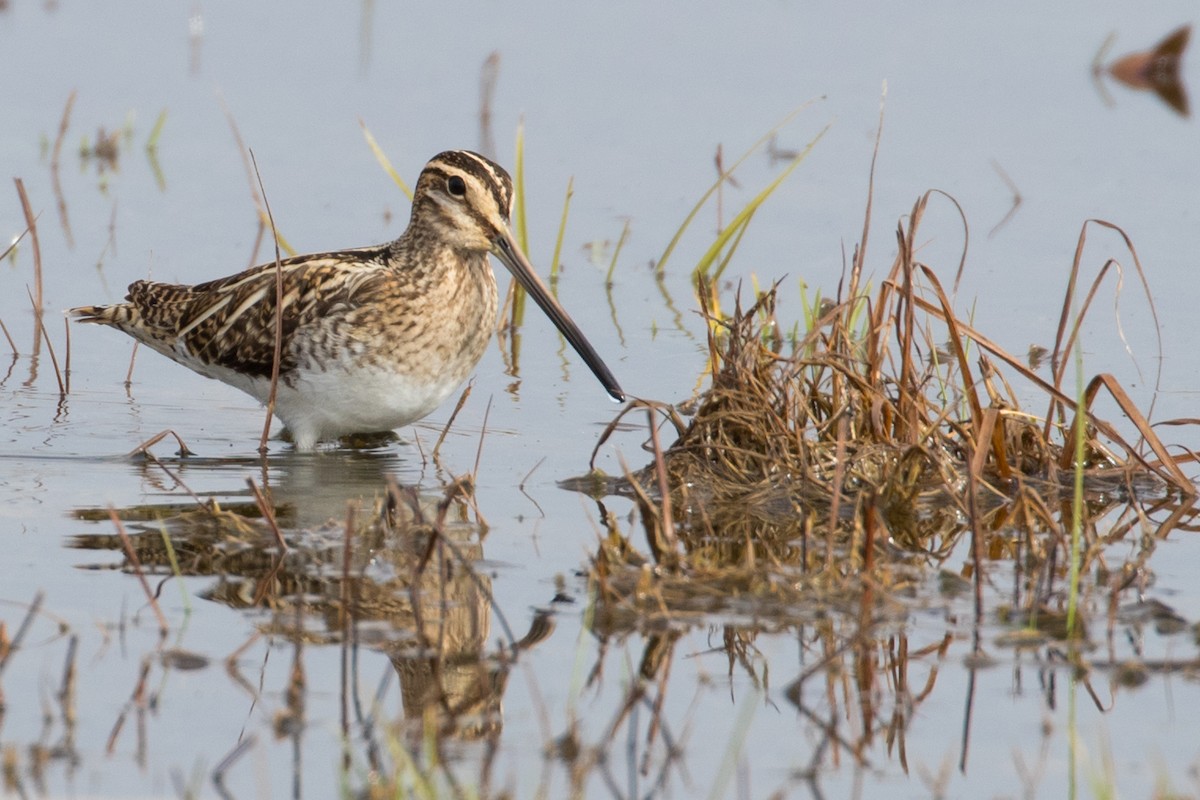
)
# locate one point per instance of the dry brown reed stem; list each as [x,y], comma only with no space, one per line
[268,515]
[1062,348]
[143,449]
[252,170]
[978,457]
[130,554]
[462,401]
[277,355]
[1167,468]
[664,490]
[31,224]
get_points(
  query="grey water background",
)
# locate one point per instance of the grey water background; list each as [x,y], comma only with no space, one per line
[630,102]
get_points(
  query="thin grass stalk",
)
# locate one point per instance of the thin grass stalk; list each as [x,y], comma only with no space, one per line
[173,560]
[860,252]
[487,411]
[462,401]
[8,250]
[384,161]
[522,231]
[251,171]
[11,344]
[129,372]
[277,355]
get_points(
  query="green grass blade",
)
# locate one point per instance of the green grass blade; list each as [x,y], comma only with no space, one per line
[687,221]
[157,130]
[612,265]
[521,232]
[562,230]
[734,229]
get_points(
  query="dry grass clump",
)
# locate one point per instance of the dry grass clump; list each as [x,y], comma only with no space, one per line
[879,437]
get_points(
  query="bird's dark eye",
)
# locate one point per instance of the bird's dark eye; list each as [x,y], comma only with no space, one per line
[456,186]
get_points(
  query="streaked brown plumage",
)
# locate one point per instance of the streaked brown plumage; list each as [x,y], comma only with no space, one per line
[374,337]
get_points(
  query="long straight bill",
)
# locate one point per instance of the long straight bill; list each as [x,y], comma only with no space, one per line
[505,249]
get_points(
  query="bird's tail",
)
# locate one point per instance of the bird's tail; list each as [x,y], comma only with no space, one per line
[116,315]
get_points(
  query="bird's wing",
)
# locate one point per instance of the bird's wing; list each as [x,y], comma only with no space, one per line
[231,322]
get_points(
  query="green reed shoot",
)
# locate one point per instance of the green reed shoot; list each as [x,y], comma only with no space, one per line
[687,221]
[733,233]
[562,230]
[1079,434]
[612,265]
[521,231]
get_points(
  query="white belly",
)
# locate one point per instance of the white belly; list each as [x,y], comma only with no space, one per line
[322,405]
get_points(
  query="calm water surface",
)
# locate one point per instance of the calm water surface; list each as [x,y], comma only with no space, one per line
[631,103]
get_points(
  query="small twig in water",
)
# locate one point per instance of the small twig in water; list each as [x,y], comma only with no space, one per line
[144,448]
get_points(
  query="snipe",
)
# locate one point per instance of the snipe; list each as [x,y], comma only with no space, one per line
[373,338]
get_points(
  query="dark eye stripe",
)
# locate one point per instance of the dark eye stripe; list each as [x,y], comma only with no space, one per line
[487,173]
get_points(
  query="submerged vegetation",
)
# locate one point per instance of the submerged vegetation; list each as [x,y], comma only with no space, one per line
[882,450]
